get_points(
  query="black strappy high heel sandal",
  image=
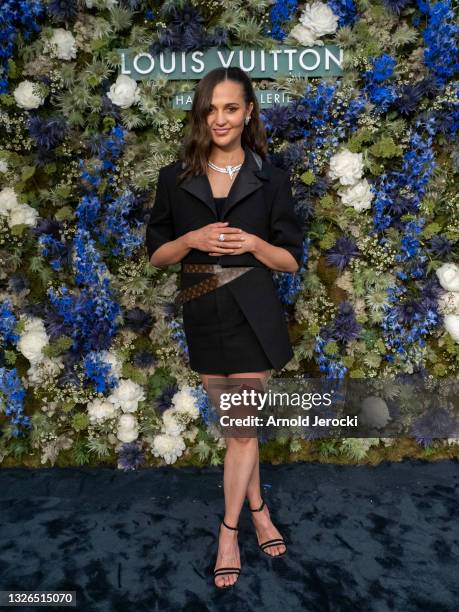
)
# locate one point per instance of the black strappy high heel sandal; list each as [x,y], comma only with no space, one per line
[269,543]
[225,571]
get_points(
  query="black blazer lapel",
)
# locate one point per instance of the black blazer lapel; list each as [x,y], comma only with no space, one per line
[249,178]
[199,186]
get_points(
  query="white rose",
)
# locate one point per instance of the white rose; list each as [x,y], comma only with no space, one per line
[23,214]
[359,195]
[346,166]
[127,428]
[3,166]
[25,96]
[168,447]
[185,402]
[448,302]
[31,345]
[304,36]
[8,200]
[374,412]
[319,18]
[448,275]
[171,425]
[62,44]
[99,410]
[124,92]
[452,326]
[127,395]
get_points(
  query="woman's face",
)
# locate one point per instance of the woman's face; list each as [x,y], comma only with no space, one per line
[227,113]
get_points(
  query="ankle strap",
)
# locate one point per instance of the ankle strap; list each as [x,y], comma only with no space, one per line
[258,509]
[228,527]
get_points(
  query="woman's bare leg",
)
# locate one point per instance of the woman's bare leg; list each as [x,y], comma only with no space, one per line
[228,548]
[263,525]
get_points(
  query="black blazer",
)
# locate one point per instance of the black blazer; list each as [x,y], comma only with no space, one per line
[260,202]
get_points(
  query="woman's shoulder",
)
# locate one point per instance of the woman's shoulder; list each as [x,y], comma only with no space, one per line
[275,173]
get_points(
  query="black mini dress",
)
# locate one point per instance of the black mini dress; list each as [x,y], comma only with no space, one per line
[220,339]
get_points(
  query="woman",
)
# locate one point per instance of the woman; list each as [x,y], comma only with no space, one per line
[227,215]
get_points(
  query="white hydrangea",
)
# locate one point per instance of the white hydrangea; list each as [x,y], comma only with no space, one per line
[346,166]
[452,326]
[124,92]
[3,166]
[359,196]
[127,395]
[33,339]
[128,428]
[26,97]
[8,201]
[62,44]
[23,214]
[171,424]
[16,212]
[185,402]
[316,20]
[99,410]
[170,448]
[448,276]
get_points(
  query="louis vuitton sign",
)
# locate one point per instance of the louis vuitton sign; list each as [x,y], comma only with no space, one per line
[258,63]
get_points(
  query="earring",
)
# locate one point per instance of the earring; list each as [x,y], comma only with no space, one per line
[247,119]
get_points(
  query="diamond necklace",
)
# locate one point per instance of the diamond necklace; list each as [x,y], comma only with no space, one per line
[231,170]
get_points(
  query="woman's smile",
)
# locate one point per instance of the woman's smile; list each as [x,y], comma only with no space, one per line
[221,131]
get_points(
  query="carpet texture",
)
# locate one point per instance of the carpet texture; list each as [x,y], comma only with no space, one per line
[359,538]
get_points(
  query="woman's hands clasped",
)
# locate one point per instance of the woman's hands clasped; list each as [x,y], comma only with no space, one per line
[236,240]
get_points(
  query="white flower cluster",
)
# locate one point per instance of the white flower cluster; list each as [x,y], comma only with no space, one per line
[62,44]
[317,19]
[16,212]
[124,92]
[170,443]
[347,167]
[120,404]
[448,276]
[26,97]
[31,344]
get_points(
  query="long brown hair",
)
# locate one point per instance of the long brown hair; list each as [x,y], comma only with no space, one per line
[197,143]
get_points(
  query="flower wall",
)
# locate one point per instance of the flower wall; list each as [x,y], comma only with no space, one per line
[93,355]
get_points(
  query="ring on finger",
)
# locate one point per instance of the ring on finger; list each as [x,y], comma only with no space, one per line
[221,237]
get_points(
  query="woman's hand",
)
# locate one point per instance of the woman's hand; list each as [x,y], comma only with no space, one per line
[246,241]
[206,239]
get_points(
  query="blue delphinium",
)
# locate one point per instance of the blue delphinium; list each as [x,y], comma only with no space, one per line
[13,395]
[440,38]
[15,16]
[382,95]
[346,10]
[282,11]
[99,372]
[7,323]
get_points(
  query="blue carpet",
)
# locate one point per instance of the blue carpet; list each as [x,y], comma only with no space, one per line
[359,538]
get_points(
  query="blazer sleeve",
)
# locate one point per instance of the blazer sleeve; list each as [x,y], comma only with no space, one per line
[160,226]
[285,226]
